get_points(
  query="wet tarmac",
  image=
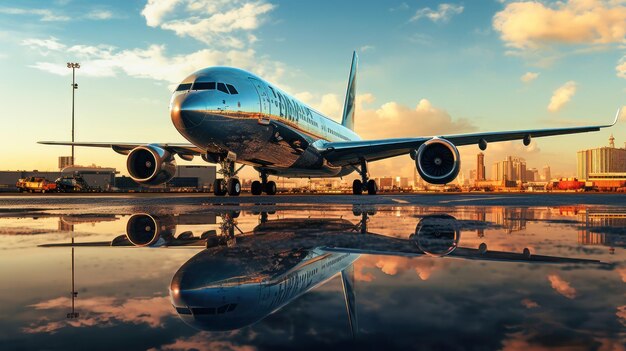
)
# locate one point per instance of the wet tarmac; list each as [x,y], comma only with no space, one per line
[429,272]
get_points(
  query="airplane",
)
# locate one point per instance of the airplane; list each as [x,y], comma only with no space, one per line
[238,280]
[231,116]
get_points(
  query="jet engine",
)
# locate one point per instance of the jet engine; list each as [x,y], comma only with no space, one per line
[437,235]
[151,165]
[147,230]
[438,161]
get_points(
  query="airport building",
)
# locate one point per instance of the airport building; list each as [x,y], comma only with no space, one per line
[104,178]
[603,163]
[200,177]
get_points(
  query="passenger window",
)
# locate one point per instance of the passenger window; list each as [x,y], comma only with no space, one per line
[204,86]
[232,89]
[272,89]
[222,87]
[184,86]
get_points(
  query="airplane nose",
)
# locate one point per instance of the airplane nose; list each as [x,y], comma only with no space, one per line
[188,111]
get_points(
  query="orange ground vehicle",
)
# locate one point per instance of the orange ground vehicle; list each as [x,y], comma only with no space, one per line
[35,184]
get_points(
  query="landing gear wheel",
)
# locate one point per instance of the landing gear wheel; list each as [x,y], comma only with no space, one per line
[270,188]
[234,187]
[372,187]
[256,188]
[218,187]
[357,187]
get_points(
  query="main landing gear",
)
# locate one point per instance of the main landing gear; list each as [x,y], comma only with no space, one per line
[364,184]
[230,183]
[263,186]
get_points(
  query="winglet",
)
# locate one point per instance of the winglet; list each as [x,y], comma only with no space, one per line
[619,112]
[348,106]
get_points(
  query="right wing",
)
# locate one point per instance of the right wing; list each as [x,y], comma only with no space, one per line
[125,148]
[352,152]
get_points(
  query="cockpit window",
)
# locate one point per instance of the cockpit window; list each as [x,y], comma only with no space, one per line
[183,310]
[208,310]
[204,86]
[222,87]
[184,86]
[232,89]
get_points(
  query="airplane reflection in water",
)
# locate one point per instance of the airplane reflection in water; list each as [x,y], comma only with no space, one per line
[239,278]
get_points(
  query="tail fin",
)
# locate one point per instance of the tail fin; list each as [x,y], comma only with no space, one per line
[349,294]
[348,106]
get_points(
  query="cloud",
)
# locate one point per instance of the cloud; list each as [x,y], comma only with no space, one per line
[50,44]
[531,340]
[562,96]
[152,62]
[402,7]
[561,286]
[155,10]
[47,15]
[621,314]
[622,273]
[528,303]
[206,341]
[99,15]
[365,48]
[529,77]
[443,13]
[221,23]
[532,25]
[403,121]
[621,68]
[423,266]
[43,14]
[104,311]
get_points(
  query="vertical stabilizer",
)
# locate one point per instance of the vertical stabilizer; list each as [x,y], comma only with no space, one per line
[347,280]
[348,106]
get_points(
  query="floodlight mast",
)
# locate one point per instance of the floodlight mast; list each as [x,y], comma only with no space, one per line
[74,66]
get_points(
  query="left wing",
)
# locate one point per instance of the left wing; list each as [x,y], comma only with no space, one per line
[351,152]
[125,148]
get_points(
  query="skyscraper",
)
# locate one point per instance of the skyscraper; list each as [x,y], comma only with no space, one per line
[512,168]
[480,166]
[547,175]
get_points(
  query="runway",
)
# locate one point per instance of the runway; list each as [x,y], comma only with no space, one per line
[422,199]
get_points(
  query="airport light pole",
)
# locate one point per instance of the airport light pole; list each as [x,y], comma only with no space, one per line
[74,66]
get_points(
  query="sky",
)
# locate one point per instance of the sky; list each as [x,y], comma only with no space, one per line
[426,68]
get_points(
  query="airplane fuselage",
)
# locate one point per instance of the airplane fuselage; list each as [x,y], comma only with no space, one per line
[252,291]
[256,122]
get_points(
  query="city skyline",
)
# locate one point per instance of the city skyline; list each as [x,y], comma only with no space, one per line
[427,68]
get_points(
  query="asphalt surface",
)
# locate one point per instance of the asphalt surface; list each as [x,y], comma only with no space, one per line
[14,202]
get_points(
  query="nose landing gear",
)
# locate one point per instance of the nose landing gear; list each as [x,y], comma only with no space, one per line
[230,183]
[263,186]
[364,184]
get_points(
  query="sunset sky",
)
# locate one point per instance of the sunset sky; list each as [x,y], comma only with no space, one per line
[426,68]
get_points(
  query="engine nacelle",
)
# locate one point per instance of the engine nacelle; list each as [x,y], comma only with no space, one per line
[147,230]
[438,161]
[151,165]
[437,235]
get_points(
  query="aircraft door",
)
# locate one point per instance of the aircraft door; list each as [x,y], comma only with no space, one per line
[264,96]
